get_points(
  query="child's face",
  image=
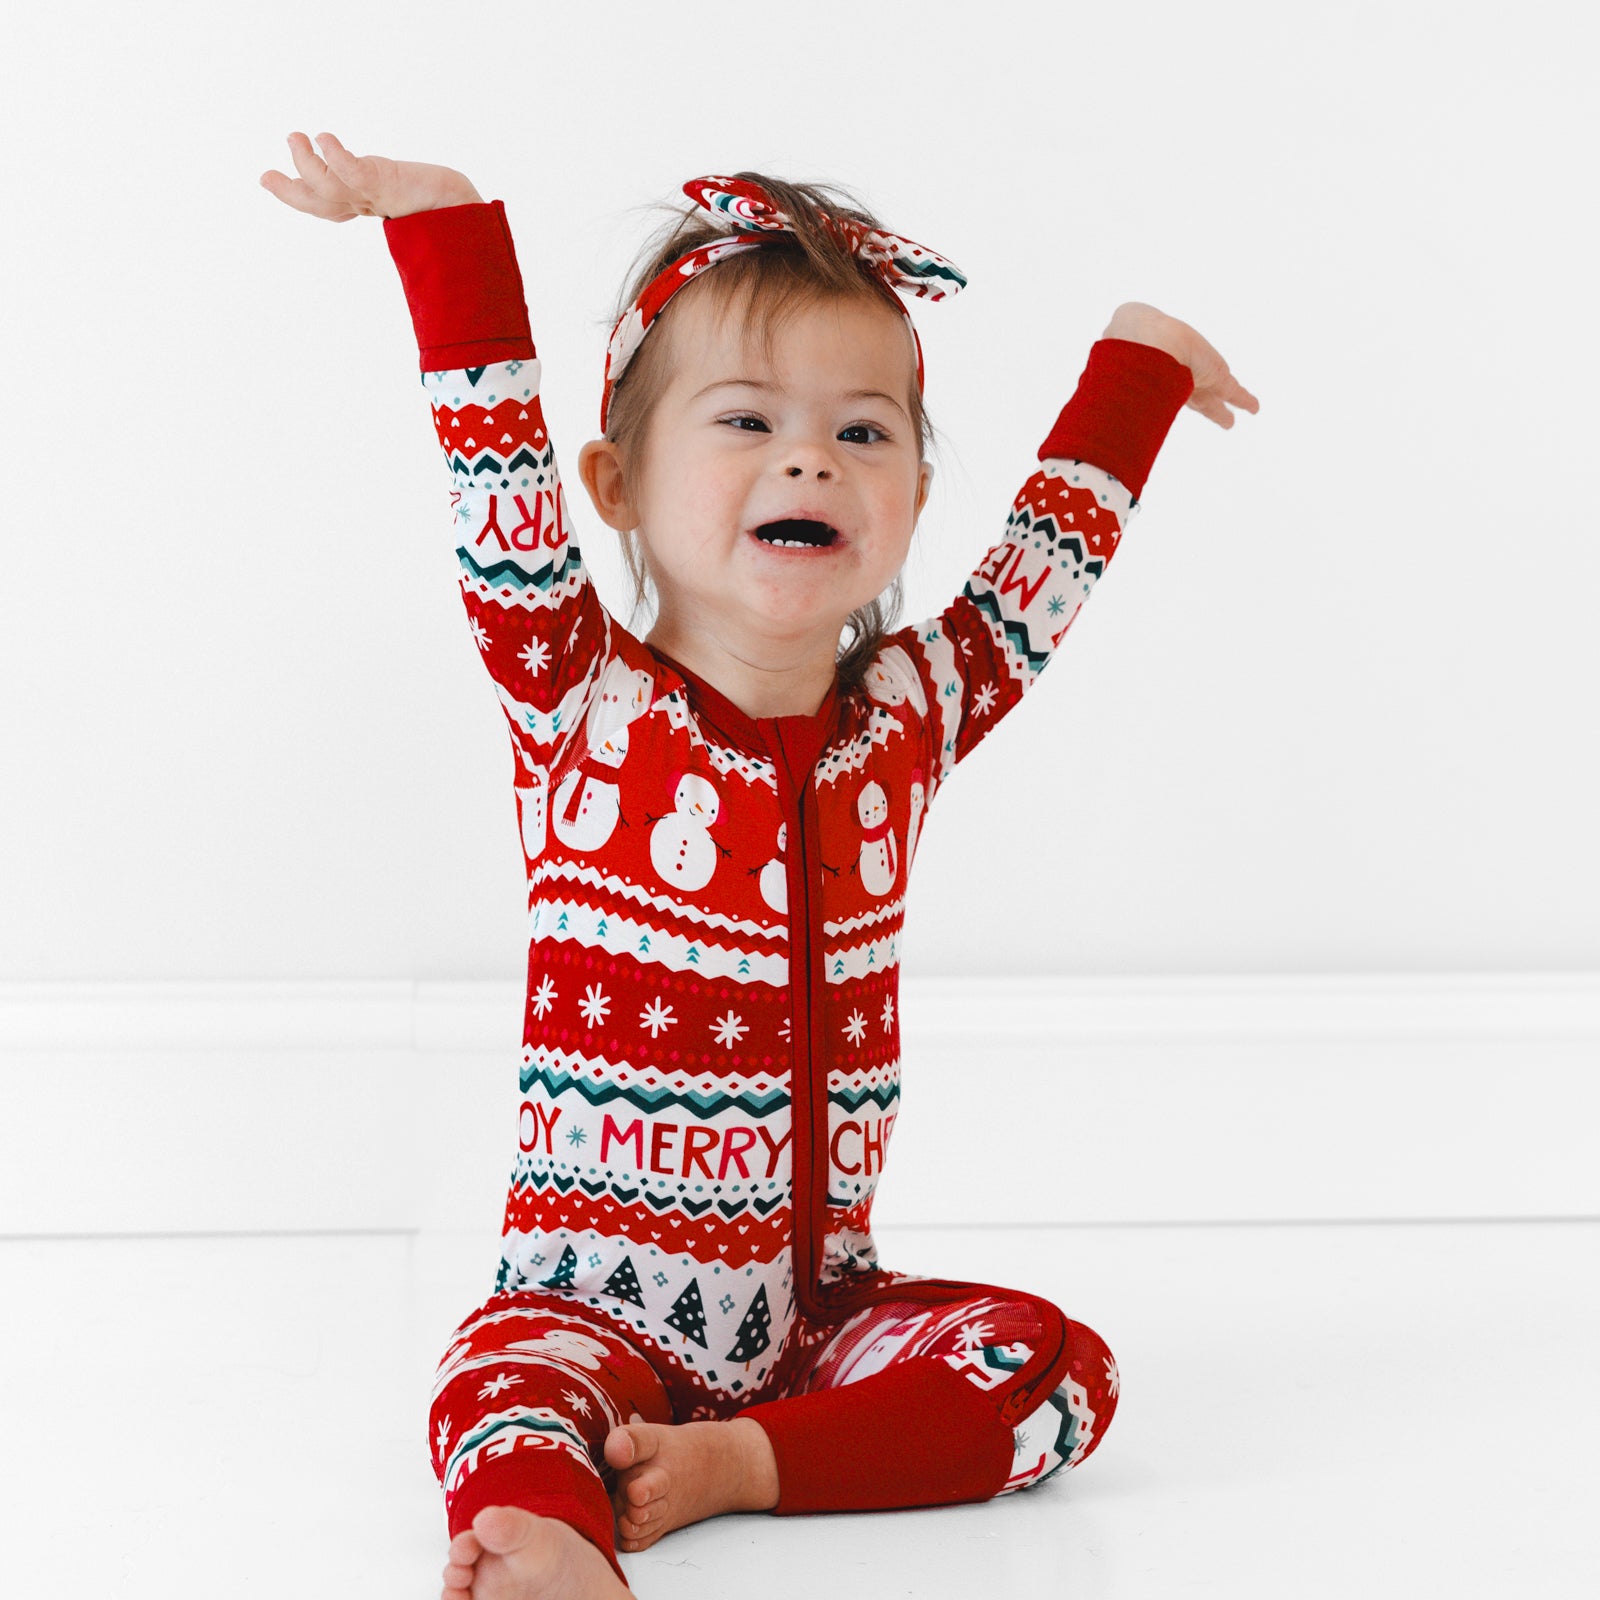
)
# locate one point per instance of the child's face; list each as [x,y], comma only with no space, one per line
[821,432]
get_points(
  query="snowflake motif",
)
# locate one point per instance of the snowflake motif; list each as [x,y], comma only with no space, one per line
[498,1385]
[972,1336]
[783,1032]
[594,1005]
[443,1438]
[729,1029]
[1113,1378]
[576,1136]
[576,1401]
[726,1302]
[481,634]
[855,1027]
[1057,605]
[984,699]
[595,1260]
[661,1279]
[888,1011]
[536,654]
[543,995]
[1019,1440]
[657,1016]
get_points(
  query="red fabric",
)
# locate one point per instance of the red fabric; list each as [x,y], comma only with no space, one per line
[462,284]
[550,1484]
[661,1186]
[918,1434]
[1119,416]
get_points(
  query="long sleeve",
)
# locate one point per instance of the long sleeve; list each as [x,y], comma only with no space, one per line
[537,620]
[980,655]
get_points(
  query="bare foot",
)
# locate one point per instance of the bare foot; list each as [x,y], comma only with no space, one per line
[512,1554]
[671,1475]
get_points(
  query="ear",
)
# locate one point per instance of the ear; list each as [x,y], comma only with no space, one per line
[925,481]
[600,467]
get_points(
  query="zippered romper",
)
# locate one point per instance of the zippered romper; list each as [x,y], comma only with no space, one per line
[710,1065]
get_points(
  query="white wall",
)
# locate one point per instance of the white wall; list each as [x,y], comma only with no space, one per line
[1330,711]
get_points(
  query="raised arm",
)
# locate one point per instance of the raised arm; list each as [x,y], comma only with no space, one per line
[981,654]
[537,620]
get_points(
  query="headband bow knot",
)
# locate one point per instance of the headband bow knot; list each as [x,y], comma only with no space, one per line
[896,263]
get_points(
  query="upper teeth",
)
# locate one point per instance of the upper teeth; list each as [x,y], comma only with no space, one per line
[793,544]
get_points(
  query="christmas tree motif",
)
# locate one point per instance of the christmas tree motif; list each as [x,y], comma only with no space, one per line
[754,1333]
[624,1283]
[566,1270]
[600,928]
[689,1314]
[644,944]
[501,1276]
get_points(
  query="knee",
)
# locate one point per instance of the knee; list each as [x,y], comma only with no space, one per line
[1086,1387]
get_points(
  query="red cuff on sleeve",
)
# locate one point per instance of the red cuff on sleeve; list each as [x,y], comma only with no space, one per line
[1118,418]
[550,1484]
[462,283]
[916,1434]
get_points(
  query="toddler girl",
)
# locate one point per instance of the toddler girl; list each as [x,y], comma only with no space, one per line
[718,821]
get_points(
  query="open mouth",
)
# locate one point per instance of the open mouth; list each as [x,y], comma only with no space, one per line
[796,533]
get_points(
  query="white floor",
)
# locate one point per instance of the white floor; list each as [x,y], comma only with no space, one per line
[1368,1410]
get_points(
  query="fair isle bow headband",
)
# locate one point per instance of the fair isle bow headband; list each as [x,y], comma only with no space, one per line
[897,263]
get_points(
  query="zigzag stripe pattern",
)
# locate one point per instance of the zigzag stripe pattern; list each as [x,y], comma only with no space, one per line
[617,889]
[500,1432]
[571,920]
[883,913]
[882,1095]
[845,759]
[531,1215]
[846,963]
[506,584]
[610,1084]
[628,1193]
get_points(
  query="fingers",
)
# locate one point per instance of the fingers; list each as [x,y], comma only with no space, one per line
[318,191]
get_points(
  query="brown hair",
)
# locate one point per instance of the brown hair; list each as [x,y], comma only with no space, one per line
[789,273]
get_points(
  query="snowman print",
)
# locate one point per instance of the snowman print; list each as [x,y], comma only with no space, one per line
[880,860]
[587,803]
[892,680]
[774,879]
[919,798]
[532,790]
[681,847]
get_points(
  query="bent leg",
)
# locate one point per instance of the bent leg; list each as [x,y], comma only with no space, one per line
[522,1402]
[912,1404]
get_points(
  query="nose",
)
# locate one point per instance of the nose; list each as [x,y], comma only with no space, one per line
[799,472]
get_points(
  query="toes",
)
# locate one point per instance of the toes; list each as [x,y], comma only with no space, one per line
[620,1448]
[457,1577]
[646,1437]
[465,1547]
[502,1529]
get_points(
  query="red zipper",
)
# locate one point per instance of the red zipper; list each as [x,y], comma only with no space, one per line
[808,1105]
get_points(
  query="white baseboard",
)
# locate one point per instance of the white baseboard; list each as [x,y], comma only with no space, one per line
[197,1107]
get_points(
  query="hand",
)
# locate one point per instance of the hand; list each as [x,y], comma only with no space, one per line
[346,186]
[1215,388]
